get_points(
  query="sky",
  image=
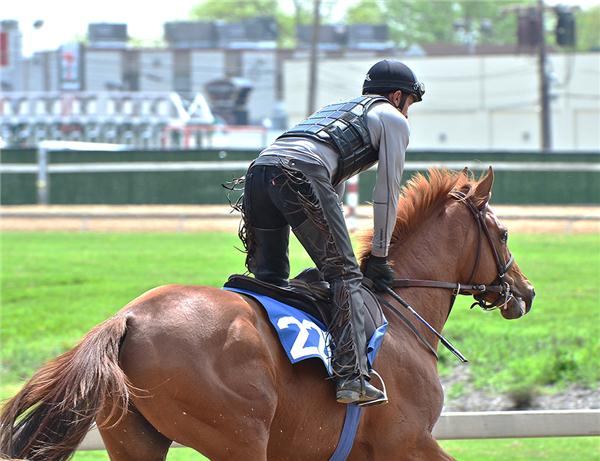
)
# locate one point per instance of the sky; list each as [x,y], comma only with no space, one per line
[66,20]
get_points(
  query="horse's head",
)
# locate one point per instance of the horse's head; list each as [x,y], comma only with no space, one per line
[487,258]
[448,237]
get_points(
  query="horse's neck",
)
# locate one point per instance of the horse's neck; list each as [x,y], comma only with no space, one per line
[431,253]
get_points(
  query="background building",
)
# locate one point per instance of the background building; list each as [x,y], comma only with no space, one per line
[474,101]
[477,97]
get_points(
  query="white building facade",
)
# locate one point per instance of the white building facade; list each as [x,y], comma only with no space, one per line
[474,102]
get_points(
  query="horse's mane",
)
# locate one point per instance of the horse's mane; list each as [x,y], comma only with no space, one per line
[420,197]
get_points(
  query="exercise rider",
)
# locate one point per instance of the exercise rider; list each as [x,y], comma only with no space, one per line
[298,182]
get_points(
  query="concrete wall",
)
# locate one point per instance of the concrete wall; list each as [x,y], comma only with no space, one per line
[261,69]
[102,67]
[474,101]
[156,70]
[206,66]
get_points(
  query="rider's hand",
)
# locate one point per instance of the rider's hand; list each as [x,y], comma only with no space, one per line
[379,272]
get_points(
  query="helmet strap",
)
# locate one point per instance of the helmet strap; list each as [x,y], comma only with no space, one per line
[403,99]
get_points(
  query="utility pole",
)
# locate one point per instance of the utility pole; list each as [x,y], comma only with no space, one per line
[545,121]
[314,50]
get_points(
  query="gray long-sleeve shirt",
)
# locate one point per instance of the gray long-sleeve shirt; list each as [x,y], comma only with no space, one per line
[390,133]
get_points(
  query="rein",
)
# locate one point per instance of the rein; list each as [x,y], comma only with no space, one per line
[478,291]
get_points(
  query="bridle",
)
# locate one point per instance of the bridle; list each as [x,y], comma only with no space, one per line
[499,285]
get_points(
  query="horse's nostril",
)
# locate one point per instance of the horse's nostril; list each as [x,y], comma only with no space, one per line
[532,294]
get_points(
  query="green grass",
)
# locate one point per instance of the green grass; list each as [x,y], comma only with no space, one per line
[550,449]
[568,449]
[56,286]
[175,454]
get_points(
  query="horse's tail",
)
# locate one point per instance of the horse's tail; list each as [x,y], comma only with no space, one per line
[51,415]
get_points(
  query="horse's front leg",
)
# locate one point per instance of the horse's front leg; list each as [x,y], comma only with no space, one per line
[428,449]
[401,447]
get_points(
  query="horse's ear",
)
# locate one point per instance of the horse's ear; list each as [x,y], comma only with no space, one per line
[483,189]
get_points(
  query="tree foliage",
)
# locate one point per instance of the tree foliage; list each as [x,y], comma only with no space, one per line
[235,10]
[366,12]
[441,21]
[410,21]
[588,29]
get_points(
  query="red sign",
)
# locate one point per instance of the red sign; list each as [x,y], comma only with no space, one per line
[70,57]
[3,49]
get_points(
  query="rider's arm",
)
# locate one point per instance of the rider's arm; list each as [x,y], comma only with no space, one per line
[390,135]
[340,189]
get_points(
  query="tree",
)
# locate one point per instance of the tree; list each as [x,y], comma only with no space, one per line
[588,29]
[493,21]
[365,12]
[421,21]
[234,10]
[426,21]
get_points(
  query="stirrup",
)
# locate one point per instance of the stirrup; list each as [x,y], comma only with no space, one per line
[383,400]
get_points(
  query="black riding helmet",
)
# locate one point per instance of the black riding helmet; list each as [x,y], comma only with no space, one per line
[393,75]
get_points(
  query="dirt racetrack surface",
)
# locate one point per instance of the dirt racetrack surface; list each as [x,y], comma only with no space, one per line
[196,218]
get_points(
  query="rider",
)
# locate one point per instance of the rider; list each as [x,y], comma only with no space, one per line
[298,181]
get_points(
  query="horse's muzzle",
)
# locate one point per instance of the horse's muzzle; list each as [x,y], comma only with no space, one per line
[519,304]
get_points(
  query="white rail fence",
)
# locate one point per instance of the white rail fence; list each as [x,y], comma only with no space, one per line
[484,425]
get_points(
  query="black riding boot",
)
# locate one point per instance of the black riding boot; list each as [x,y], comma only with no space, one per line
[268,259]
[349,360]
[349,356]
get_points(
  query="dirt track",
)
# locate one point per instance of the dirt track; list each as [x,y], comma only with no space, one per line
[191,218]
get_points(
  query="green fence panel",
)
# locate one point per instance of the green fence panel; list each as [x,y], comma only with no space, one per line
[202,187]
[164,155]
[18,189]
[18,155]
[172,187]
[226,155]
[524,187]
[489,157]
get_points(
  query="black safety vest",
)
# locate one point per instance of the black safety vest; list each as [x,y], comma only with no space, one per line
[344,127]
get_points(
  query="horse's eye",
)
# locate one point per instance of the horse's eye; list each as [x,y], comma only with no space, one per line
[504,236]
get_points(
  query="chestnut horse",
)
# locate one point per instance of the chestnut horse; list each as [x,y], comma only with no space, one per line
[203,367]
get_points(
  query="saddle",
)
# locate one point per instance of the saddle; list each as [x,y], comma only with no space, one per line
[311,294]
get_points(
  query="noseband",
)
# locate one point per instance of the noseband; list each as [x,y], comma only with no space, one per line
[499,285]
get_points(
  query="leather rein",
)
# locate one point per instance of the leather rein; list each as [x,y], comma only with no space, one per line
[478,291]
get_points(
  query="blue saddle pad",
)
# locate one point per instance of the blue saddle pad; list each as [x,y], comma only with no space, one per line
[302,336]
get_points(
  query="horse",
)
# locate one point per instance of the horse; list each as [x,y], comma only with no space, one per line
[201,366]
